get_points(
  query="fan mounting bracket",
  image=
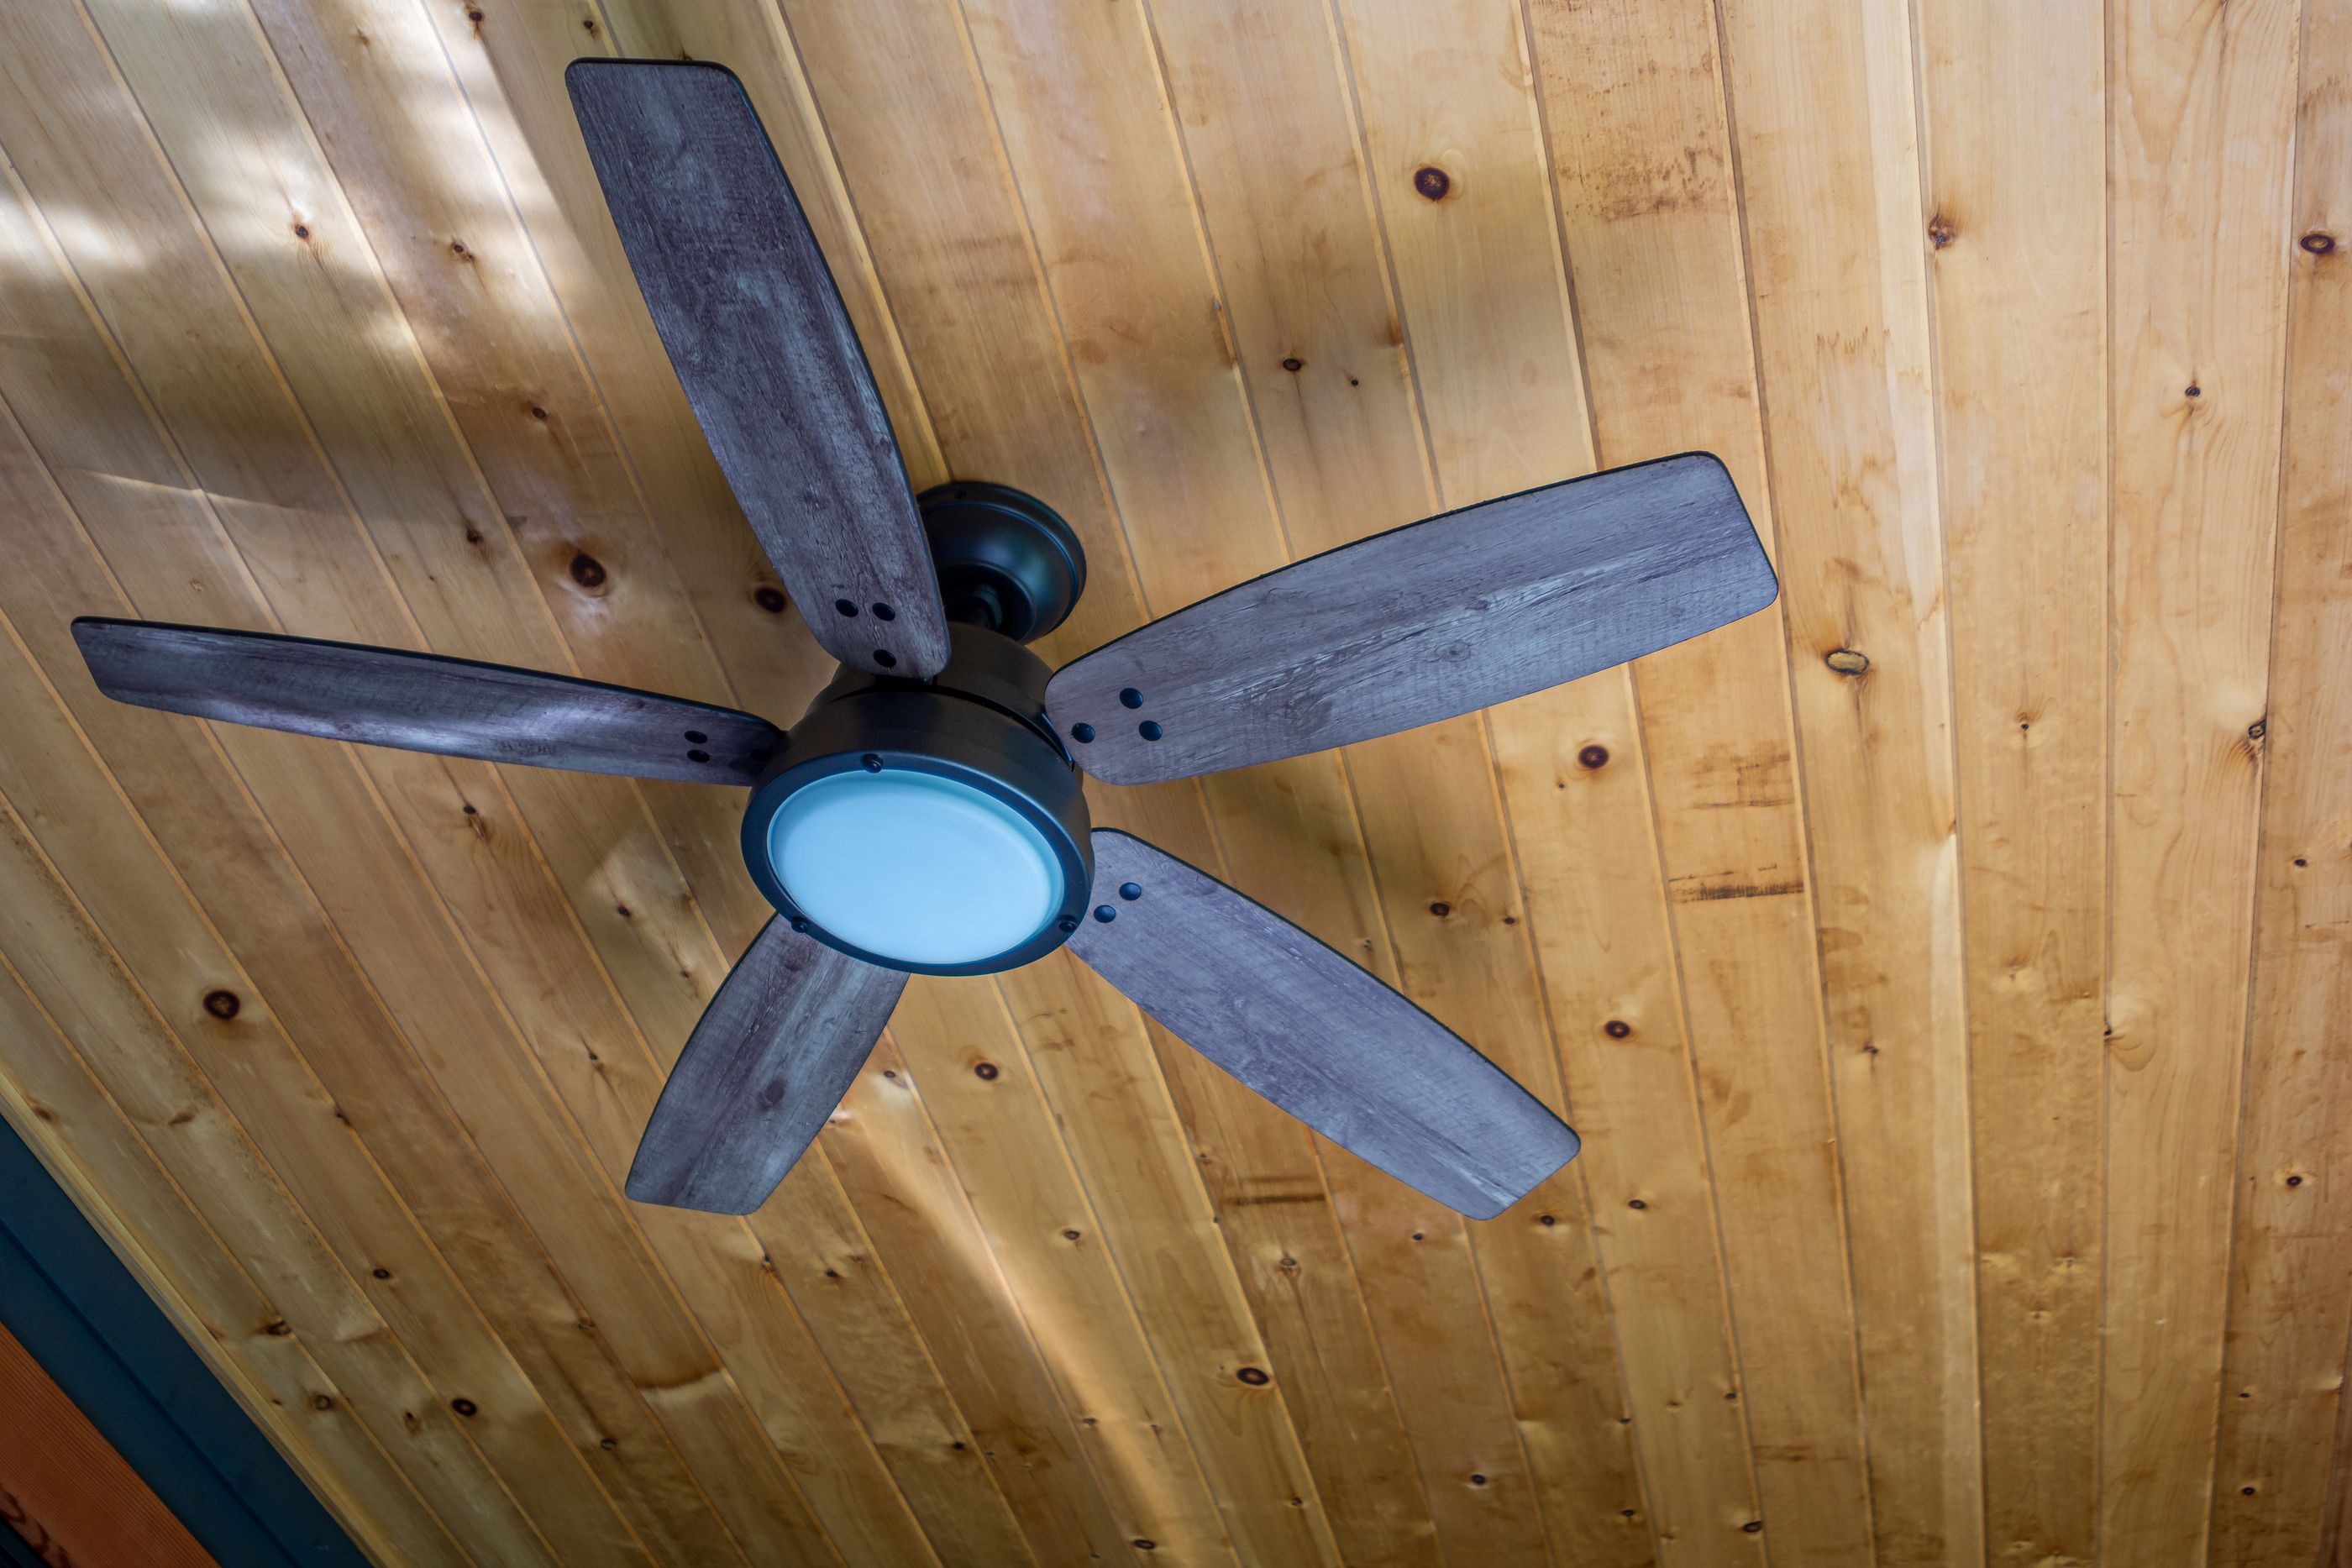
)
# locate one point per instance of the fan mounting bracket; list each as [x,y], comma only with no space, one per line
[1006,560]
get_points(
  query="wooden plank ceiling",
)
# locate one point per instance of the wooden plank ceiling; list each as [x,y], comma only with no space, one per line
[1948,970]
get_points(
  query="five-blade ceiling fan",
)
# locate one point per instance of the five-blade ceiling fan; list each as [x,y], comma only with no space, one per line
[925,814]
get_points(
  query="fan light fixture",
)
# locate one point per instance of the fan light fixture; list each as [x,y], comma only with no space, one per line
[915,867]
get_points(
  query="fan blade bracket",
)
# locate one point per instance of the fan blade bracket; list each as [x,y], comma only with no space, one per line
[1320,1037]
[753,324]
[1440,618]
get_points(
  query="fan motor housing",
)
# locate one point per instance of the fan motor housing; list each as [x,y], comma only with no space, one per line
[979,724]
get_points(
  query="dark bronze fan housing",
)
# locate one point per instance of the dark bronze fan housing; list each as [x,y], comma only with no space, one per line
[926,815]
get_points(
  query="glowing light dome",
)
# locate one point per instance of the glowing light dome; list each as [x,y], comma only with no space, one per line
[914,867]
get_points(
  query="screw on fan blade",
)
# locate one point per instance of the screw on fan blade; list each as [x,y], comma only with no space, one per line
[756,331]
[769,1059]
[422,702]
[1321,1038]
[1442,617]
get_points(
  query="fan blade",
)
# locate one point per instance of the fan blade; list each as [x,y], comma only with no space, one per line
[769,1059]
[1314,1034]
[422,702]
[1441,617]
[758,335]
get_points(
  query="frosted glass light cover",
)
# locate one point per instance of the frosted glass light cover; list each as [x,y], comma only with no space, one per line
[915,867]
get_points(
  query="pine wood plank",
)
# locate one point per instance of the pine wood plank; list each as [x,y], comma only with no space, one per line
[2281,1452]
[1047,1234]
[1827,136]
[1098,1074]
[2200,117]
[1267,1185]
[2335,1528]
[895,1168]
[80,829]
[1589,859]
[843,1284]
[2014,115]
[1654,251]
[1452,138]
[350,1450]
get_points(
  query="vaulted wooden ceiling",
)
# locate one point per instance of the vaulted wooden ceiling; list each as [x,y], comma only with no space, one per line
[1948,970]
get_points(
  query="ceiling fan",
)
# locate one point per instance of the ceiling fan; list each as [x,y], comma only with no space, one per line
[925,814]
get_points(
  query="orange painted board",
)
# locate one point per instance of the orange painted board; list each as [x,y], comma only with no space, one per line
[65,1489]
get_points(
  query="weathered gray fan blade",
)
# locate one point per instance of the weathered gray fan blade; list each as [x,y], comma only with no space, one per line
[422,702]
[1314,1034]
[1442,617]
[772,1055]
[757,333]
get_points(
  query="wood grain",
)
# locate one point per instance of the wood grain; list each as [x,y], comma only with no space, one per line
[1827,132]
[2200,121]
[765,1067]
[1583,807]
[2280,1454]
[2013,108]
[1426,623]
[756,331]
[421,702]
